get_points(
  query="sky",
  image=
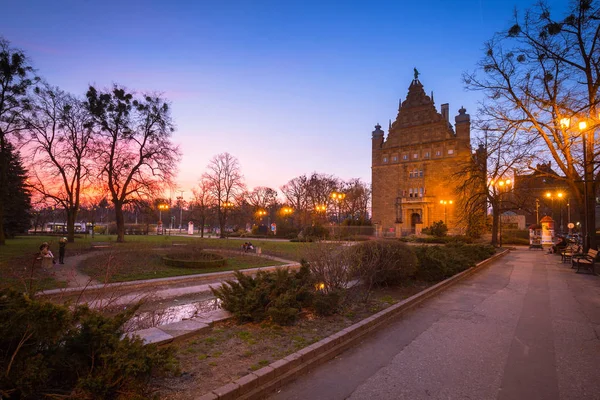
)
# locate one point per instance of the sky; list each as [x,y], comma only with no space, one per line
[287,87]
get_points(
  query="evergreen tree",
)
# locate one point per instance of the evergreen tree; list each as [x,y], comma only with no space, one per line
[17,197]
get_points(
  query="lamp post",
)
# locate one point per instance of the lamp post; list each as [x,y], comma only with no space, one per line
[180,200]
[161,207]
[503,186]
[445,203]
[338,197]
[537,211]
[588,171]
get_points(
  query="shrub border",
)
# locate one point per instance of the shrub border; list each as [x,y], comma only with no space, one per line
[258,384]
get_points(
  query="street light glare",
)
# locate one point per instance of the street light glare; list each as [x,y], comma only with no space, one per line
[582,125]
[565,122]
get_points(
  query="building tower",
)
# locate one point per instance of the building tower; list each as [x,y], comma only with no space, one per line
[414,169]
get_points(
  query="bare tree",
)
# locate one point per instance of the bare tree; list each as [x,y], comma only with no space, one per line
[295,192]
[136,156]
[60,140]
[226,183]
[542,77]
[262,197]
[16,77]
[356,201]
[203,202]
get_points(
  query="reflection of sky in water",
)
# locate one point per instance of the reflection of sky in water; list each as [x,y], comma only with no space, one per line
[158,317]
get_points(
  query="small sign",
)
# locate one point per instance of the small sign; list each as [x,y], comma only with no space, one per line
[273,227]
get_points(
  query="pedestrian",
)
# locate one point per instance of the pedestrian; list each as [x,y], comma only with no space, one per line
[62,244]
[46,255]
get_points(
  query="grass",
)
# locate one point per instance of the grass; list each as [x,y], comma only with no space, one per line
[144,263]
[17,257]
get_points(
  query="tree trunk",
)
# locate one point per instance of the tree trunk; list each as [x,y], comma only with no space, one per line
[495,221]
[3,185]
[120,222]
[222,219]
[71,215]
[202,221]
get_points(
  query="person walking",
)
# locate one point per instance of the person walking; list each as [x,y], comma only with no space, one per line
[62,244]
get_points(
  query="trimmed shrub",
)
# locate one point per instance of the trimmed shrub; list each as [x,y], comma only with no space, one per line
[326,304]
[437,229]
[279,295]
[382,262]
[437,263]
[52,351]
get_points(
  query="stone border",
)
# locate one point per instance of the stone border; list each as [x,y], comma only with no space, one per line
[258,384]
[209,277]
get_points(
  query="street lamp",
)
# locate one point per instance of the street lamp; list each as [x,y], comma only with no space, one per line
[180,200]
[161,207]
[588,171]
[445,203]
[503,186]
[338,197]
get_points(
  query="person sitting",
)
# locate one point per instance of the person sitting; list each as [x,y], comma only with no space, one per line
[559,246]
[250,246]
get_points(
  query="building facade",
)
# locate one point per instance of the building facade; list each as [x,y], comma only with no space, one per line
[414,168]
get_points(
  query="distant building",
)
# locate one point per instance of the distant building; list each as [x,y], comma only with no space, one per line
[414,168]
[543,193]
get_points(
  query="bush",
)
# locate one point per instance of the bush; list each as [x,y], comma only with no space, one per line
[328,266]
[437,263]
[438,229]
[316,232]
[326,304]
[279,295]
[382,262]
[52,351]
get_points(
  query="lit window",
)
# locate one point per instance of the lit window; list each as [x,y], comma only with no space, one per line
[415,155]
[405,157]
[450,151]
[395,159]
[438,153]
[420,192]
[385,159]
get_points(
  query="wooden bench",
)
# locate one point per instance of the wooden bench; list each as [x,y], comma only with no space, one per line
[100,245]
[570,251]
[586,261]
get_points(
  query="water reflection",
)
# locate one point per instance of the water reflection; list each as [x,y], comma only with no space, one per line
[164,316]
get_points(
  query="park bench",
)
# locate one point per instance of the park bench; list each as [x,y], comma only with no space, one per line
[568,252]
[100,245]
[585,261]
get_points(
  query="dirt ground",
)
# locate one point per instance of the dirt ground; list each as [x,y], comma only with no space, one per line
[231,351]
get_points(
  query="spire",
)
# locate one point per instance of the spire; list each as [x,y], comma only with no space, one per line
[432,97]
[390,126]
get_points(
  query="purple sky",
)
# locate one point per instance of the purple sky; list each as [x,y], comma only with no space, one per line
[287,87]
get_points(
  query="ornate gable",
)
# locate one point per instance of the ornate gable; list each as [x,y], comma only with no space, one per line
[418,120]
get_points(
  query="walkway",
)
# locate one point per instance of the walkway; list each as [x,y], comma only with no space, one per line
[527,327]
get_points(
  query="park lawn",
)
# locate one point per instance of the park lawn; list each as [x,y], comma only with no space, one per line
[144,263]
[17,258]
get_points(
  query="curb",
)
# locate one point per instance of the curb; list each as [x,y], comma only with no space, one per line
[208,278]
[258,384]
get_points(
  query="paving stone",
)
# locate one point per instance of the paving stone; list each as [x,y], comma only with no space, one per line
[153,335]
[185,328]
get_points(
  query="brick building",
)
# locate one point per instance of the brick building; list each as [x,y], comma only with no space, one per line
[413,168]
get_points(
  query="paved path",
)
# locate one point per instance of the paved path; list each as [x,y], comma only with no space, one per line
[527,327]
